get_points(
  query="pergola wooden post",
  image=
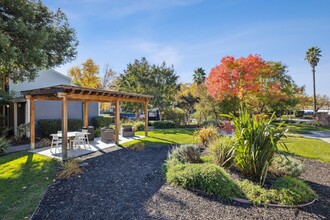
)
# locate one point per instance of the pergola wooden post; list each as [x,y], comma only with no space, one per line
[117,121]
[146,118]
[32,123]
[86,114]
[64,126]
[66,93]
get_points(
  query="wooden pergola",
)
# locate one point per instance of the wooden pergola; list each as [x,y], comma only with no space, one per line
[69,93]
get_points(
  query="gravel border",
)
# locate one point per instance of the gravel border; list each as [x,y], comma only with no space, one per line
[124,184]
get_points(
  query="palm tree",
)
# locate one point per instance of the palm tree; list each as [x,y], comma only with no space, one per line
[199,75]
[313,55]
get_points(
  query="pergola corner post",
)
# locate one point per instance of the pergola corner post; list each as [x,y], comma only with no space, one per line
[146,118]
[32,123]
[64,127]
[86,114]
[117,121]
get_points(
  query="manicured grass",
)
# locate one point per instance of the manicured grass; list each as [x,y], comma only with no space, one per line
[304,147]
[309,148]
[304,129]
[163,137]
[24,178]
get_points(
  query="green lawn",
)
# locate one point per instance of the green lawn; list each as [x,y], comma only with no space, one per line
[24,178]
[304,147]
[304,129]
[309,148]
[166,137]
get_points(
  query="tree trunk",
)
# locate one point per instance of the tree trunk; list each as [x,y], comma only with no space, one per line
[314,89]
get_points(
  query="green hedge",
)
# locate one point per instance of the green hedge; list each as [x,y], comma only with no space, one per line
[164,124]
[100,121]
[51,126]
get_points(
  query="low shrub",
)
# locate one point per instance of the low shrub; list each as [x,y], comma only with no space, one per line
[139,126]
[136,146]
[186,154]
[206,134]
[285,166]
[222,150]
[285,191]
[257,194]
[177,115]
[51,126]
[101,121]
[211,122]
[293,191]
[209,178]
[70,168]
[4,143]
[164,124]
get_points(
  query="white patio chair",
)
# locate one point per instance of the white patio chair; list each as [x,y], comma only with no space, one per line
[85,132]
[56,142]
[79,139]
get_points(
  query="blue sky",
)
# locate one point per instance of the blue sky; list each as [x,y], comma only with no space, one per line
[197,33]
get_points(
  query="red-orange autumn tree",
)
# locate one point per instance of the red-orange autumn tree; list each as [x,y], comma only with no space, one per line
[251,80]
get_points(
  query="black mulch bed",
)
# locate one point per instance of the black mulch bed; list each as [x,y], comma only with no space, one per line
[127,184]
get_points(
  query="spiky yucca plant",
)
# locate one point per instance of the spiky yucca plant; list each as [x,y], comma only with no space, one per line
[256,142]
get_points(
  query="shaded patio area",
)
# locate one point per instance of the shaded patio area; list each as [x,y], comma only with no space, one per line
[70,93]
[96,145]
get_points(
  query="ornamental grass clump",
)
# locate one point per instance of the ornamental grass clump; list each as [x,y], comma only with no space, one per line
[256,141]
[188,153]
[206,134]
[222,150]
[285,166]
[70,168]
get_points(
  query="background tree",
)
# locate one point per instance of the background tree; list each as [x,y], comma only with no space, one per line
[252,82]
[32,38]
[86,75]
[313,55]
[199,76]
[107,83]
[159,81]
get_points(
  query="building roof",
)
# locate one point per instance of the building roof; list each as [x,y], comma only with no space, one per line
[76,93]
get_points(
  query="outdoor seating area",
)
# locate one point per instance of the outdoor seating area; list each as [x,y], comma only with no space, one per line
[96,145]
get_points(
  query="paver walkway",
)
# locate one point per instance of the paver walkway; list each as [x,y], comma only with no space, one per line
[323,135]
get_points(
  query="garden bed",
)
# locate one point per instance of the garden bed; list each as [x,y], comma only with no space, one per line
[127,184]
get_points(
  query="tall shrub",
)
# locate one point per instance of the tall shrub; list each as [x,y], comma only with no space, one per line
[256,143]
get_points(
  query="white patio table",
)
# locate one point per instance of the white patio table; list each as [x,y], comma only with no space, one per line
[70,135]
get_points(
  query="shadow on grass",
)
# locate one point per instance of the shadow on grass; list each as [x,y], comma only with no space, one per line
[23,180]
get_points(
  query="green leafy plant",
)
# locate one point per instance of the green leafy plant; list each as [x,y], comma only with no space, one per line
[293,191]
[177,115]
[186,154]
[222,150]
[21,131]
[164,124]
[139,126]
[4,143]
[70,168]
[209,178]
[206,134]
[101,121]
[256,141]
[285,166]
